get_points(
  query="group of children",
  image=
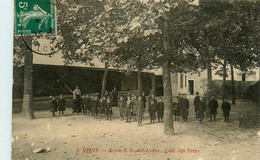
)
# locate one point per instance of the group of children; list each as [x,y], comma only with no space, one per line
[97,108]
[200,108]
[181,107]
[132,108]
[57,105]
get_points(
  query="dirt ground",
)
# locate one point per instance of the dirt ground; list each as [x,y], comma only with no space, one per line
[82,137]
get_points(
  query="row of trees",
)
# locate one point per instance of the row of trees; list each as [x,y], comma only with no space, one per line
[176,35]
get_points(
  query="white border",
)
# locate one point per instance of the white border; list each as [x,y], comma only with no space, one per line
[6,69]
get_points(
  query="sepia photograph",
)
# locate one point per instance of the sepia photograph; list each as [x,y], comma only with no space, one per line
[136,80]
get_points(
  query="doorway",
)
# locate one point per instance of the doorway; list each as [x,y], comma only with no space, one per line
[191,87]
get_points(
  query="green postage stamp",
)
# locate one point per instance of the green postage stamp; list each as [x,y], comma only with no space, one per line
[33,17]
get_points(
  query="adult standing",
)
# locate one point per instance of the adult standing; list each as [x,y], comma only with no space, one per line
[213,106]
[152,108]
[196,104]
[76,100]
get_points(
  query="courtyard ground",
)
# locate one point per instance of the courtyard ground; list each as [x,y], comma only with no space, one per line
[81,137]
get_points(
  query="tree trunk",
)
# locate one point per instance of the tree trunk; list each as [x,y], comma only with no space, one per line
[209,80]
[27,109]
[233,85]
[167,89]
[139,77]
[224,79]
[168,118]
[209,85]
[104,80]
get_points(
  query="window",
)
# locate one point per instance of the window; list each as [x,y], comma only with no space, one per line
[185,81]
[181,81]
[243,77]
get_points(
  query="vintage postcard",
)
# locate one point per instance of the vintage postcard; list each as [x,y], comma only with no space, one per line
[136,79]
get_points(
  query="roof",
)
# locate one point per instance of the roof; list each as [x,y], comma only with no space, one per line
[57,60]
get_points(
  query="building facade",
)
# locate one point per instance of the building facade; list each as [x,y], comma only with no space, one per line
[190,83]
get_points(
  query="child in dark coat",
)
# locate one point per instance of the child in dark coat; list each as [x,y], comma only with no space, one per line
[109,111]
[121,107]
[213,106]
[61,104]
[83,103]
[95,108]
[140,111]
[134,110]
[53,105]
[91,102]
[128,109]
[102,107]
[176,108]
[87,104]
[152,108]
[187,104]
[201,109]
[160,110]
[226,107]
[196,104]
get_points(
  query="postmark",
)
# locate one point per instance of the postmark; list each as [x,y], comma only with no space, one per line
[35,17]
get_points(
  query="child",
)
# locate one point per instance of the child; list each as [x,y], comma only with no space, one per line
[109,111]
[152,108]
[91,102]
[201,109]
[140,111]
[134,110]
[128,109]
[176,109]
[83,103]
[53,105]
[213,107]
[61,104]
[121,107]
[187,103]
[160,110]
[95,108]
[102,107]
[226,109]
[87,102]
[183,107]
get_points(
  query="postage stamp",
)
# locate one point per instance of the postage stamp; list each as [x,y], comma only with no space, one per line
[35,17]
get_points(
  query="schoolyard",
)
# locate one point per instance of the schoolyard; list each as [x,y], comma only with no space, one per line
[81,137]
